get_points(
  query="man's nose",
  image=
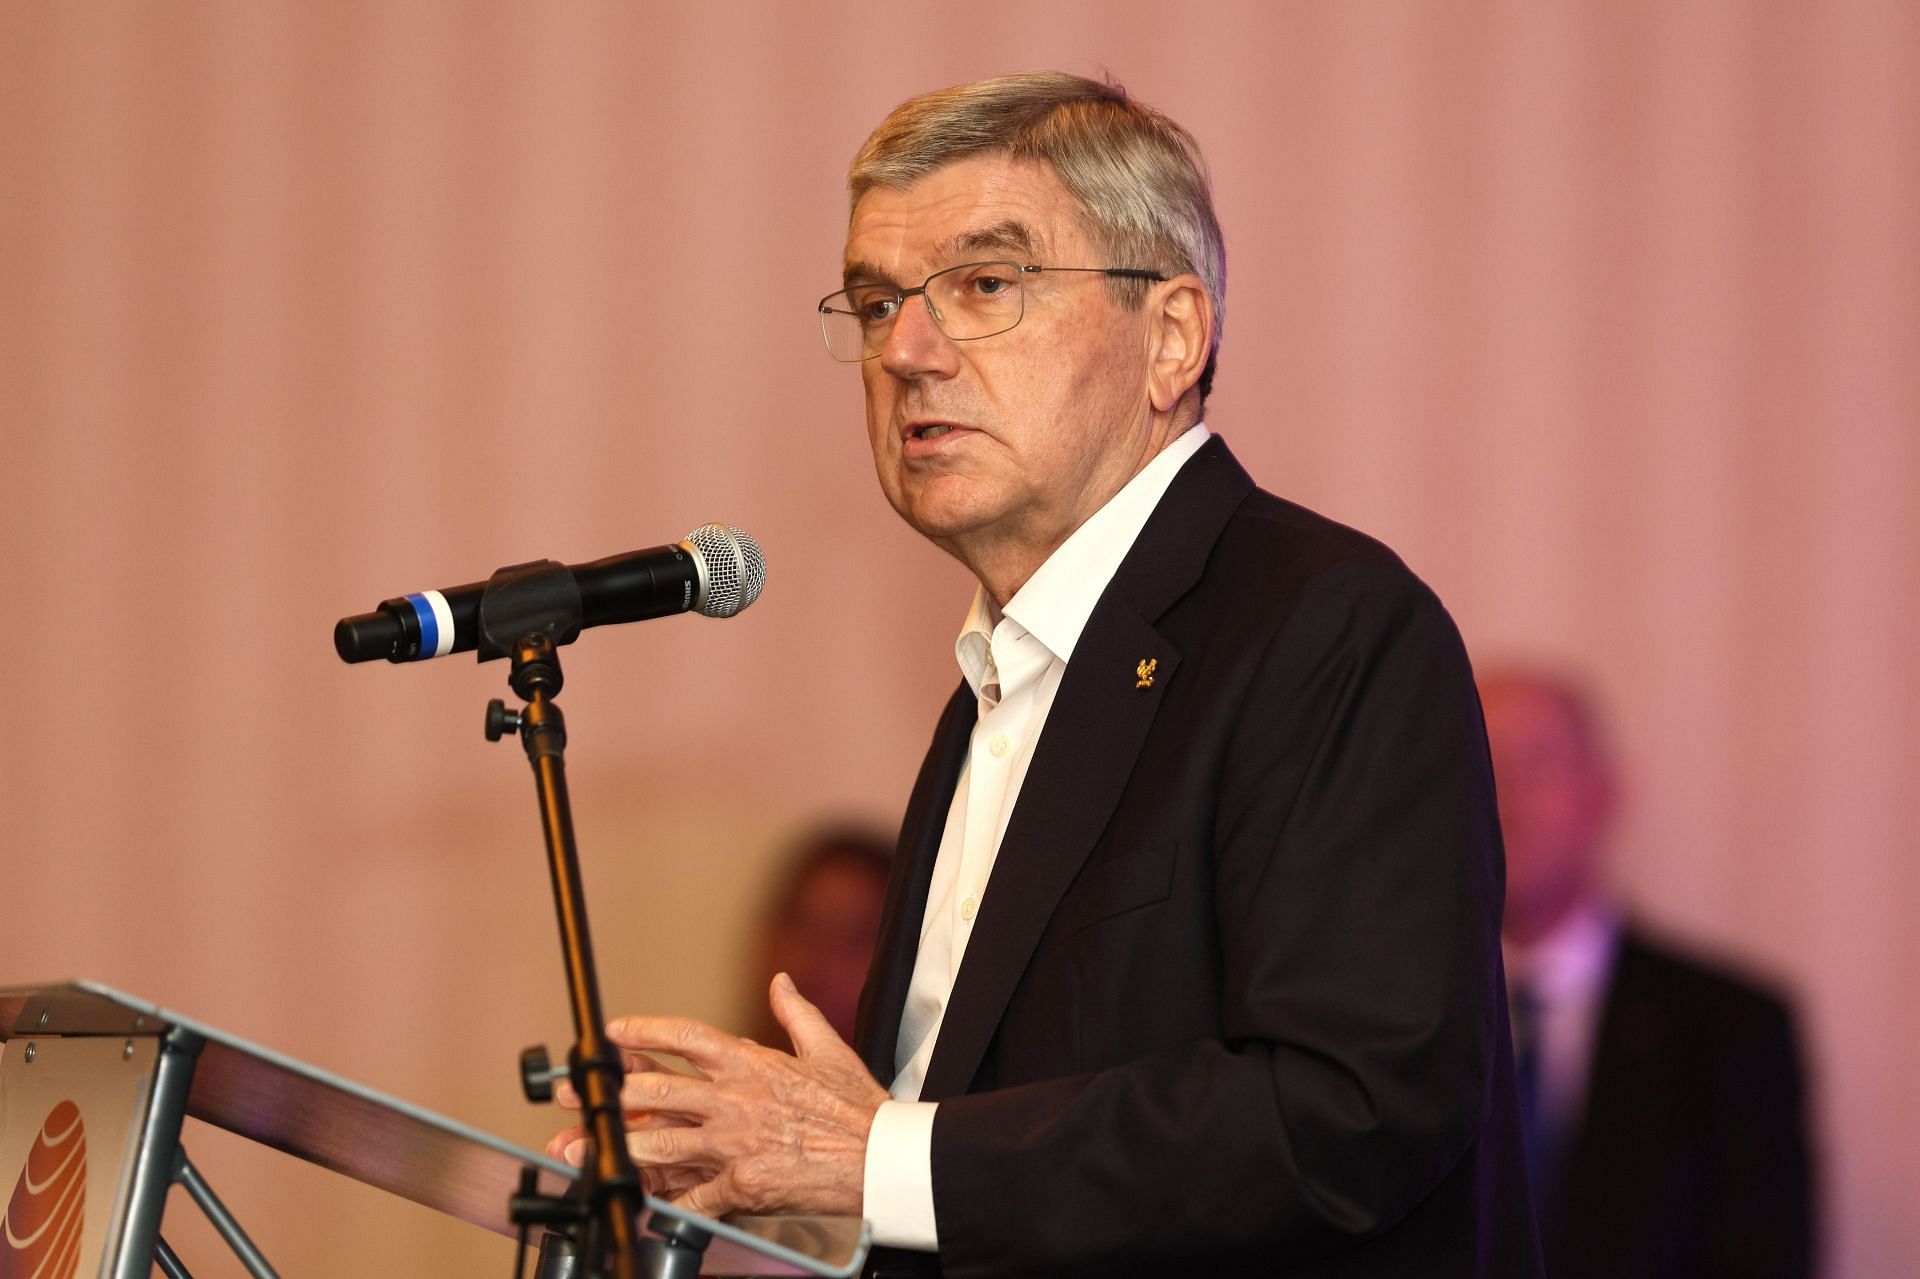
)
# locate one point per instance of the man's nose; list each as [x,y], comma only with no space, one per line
[915,347]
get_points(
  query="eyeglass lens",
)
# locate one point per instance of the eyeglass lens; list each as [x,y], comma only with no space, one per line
[976,300]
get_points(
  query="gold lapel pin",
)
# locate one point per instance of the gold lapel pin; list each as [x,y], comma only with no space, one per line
[1145,672]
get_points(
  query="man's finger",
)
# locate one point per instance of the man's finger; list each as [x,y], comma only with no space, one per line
[668,1091]
[700,1044]
[680,1145]
[637,1062]
[566,1096]
[666,1183]
[557,1148]
[806,1025]
[656,1119]
[709,1198]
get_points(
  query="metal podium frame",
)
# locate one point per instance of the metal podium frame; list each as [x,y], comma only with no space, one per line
[193,1069]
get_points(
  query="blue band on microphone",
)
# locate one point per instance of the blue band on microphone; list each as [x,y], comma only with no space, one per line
[436,624]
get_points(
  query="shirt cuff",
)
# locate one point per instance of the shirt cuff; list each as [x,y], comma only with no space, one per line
[897,1191]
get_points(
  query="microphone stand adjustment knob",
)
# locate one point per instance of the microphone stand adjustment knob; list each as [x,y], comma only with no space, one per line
[537,1074]
[500,720]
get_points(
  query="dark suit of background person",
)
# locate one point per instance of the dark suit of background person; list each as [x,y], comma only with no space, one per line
[1239,965]
[1683,1151]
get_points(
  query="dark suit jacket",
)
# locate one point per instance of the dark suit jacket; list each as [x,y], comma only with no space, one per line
[1233,1001]
[1692,1160]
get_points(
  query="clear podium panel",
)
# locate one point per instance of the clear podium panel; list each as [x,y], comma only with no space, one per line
[413,1153]
[379,1140]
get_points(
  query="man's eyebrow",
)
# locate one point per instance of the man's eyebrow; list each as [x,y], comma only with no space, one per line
[1008,236]
[858,272]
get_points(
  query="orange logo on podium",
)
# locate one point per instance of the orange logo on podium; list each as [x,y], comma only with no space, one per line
[41,1235]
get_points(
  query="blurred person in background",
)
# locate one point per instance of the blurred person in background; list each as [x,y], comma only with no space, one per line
[819,924]
[1661,1094]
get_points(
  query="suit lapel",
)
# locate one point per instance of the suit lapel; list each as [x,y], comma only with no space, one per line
[1095,730]
[1624,1125]
[877,1024]
[1086,753]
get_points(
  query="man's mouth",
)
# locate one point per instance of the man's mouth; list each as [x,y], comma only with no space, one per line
[928,432]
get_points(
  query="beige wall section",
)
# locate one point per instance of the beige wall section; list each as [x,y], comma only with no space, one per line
[1605,316]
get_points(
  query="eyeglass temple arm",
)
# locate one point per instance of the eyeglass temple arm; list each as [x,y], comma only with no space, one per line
[1123,272]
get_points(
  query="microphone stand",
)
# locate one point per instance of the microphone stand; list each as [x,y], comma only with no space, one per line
[531,604]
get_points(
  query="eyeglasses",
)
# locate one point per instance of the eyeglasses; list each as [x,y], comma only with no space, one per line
[976,300]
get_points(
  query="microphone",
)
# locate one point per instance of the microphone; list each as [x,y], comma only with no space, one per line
[716,571]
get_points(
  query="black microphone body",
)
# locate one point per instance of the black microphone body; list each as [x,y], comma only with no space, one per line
[716,571]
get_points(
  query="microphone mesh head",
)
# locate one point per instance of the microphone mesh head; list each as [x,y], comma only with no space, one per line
[735,569]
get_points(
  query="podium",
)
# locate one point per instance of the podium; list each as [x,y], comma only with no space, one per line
[95,1086]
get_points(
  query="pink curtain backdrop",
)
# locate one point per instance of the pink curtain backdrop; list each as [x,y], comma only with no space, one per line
[1605,316]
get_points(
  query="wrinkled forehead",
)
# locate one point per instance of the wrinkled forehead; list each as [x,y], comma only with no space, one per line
[981,206]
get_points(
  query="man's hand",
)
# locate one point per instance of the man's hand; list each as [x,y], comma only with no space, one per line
[755,1130]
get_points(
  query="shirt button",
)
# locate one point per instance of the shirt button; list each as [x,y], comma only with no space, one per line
[999,746]
[969,908]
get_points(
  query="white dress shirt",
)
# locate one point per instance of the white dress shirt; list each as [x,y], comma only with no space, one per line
[1014,661]
[1568,973]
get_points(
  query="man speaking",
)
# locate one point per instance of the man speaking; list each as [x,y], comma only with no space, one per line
[1190,961]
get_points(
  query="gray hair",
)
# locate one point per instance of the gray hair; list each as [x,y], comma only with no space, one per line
[1138,177]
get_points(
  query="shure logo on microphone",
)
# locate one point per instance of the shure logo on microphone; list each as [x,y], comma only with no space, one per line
[41,1235]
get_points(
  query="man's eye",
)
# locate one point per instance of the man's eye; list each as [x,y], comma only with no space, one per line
[874,307]
[989,284]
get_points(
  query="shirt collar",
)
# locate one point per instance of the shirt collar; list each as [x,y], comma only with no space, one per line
[1573,960]
[1054,604]
[973,649]
[1057,600]
[999,656]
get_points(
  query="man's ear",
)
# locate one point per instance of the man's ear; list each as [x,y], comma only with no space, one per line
[1180,337]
